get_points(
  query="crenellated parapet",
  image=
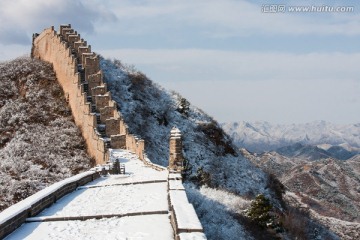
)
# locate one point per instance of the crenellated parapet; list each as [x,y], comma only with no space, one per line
[78,71]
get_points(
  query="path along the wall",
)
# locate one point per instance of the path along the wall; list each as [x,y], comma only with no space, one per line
[143,203]
[78,72]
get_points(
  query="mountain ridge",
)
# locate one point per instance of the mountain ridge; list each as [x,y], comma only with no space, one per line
[312,152]
[264,136]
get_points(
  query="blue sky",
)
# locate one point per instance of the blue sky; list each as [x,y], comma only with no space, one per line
[226,57]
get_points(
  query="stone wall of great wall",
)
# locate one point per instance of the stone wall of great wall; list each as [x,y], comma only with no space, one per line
[78,71]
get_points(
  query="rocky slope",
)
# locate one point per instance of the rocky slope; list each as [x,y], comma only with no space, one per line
[328,187]
[39,143]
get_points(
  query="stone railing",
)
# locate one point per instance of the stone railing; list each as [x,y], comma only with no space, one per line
[12,217]
[149,163]
[184,219]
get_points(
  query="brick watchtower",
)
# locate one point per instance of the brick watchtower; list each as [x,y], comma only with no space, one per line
[176,158]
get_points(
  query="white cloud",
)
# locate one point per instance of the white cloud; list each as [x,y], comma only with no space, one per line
[228,18]
[277,87]
[211,18]
[201,64]
[20,18]
[8,52]
[275,101]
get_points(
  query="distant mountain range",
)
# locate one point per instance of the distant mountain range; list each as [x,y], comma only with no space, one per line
[329,186]
[327,138]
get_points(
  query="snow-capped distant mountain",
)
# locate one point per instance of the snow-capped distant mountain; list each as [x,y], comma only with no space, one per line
[264,136]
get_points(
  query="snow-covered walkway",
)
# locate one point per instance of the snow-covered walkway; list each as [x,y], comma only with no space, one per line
[138,201]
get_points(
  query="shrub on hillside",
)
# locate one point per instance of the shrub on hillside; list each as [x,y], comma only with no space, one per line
[259,211]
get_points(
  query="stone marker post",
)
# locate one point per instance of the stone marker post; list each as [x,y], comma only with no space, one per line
[176,157]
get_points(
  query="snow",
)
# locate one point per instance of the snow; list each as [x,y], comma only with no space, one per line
[149,227]
[178,197]
[176,185]
[229,200]
[117,199]
[135,171]
[26,203]
[324,146]
[186,217]
[149,162]
[185,214]
[175,176]
[192,236]
[217,220]
[142,190]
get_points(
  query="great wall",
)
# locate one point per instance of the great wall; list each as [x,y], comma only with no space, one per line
[106,134]
[78,71]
